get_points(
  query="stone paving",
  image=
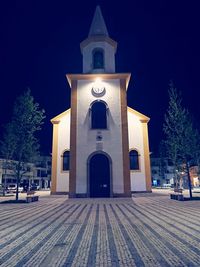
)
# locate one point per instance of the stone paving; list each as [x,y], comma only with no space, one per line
[147,230]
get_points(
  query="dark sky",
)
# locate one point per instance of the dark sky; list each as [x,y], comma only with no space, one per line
[157,41]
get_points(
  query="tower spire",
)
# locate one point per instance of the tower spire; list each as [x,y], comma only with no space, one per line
[98,26]
[98,49]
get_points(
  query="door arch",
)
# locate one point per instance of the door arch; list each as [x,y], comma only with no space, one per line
[99,172]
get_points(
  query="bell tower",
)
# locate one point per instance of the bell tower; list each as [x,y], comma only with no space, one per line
[99,161]
[98,49]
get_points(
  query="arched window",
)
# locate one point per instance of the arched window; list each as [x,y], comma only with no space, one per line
[134,160]
[66,160]
[99,115]
[98,59]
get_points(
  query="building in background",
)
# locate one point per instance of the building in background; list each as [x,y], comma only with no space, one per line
[162,174]
[35,174]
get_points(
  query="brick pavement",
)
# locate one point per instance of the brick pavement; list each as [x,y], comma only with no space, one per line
[147,230]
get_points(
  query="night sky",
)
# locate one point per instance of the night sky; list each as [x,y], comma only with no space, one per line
[157,41]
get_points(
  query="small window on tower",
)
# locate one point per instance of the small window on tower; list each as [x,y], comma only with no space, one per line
[66,160]
[98,59]
[99,115]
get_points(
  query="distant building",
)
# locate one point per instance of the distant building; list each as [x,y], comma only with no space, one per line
[38,173]
[100,146]
[162,174]
[42,171]
[195,175]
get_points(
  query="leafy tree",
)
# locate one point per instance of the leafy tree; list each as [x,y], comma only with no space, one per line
[182,142]
[20,143]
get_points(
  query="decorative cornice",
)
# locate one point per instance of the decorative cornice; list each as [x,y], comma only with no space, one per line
[103,76]
[98,38]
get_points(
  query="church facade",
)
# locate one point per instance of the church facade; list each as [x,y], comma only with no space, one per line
[100,146]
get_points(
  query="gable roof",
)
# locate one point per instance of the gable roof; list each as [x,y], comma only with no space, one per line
[141,116]
[60,116]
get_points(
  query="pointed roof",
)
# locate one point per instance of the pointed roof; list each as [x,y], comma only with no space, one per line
[98,26]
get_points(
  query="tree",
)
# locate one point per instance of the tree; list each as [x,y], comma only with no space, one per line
[20,143]
[7,148]
[181,138]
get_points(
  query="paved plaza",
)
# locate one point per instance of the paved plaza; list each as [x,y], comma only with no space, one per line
[147,230]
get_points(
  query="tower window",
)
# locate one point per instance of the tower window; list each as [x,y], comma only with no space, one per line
[66,161]
[98,59]
[134,160]
[99,115]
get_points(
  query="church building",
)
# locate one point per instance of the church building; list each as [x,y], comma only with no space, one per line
[100,146]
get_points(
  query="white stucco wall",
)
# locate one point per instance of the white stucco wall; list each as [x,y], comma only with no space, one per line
[109,56]
[63,144]
[138,179]
[111,139]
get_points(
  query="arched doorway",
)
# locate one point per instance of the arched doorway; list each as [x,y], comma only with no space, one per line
[99,176]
